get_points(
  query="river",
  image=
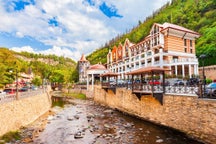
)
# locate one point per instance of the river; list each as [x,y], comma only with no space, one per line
[85,122]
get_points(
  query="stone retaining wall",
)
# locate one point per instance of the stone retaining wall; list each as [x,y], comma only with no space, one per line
[21,112]
[209,72]
[89,94]
[193,116]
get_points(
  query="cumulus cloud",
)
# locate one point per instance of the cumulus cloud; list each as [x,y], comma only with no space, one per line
[72,27]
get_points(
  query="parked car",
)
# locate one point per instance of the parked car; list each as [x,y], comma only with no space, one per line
[166,83]
[211,89]
[2,93]
[178,83]
[120,82]
[24,89]
[154,82]
[192,82]
[9,90]
[33,87]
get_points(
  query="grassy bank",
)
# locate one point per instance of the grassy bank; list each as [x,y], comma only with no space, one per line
[10,136]
[75,95]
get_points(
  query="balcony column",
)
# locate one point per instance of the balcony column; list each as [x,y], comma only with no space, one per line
[146,62]
[152,58]
[183,71]
[196,69]
[139,61]
[92,81]
[176,70]
[87,81]
[189,70]
[161,57]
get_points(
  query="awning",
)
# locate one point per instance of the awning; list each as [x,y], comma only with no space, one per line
[110,74]
[147,70]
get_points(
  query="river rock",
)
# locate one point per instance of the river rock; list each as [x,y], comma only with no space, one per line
[76,117]
[159,140]
[108,111]
[128,125]
[78,135]
[90,115]
[106,126]
[69,118]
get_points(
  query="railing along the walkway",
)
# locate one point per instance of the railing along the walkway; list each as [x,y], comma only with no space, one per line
[169,89]
[12,97]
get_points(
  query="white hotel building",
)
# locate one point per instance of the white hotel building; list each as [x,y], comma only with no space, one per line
[167,46]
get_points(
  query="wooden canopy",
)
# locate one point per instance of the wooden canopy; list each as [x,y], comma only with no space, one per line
[147,70]
[109,74]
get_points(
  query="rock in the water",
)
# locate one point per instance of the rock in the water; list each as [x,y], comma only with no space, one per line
[78,135]
[108,111]
[76,117]
[159,141]
[70,118]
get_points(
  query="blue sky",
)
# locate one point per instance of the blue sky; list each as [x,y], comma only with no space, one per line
[68,27]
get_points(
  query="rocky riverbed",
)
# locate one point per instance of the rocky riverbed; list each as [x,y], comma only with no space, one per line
[85,122]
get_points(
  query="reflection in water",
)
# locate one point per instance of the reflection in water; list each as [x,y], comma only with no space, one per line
[89,123]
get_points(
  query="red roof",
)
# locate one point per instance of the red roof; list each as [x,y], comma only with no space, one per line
[83,58]
[97,67]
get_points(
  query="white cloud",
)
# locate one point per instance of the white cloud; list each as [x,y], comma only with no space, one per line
[24,49]
[81,28]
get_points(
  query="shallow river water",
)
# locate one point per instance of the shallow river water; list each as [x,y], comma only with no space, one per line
[86,122]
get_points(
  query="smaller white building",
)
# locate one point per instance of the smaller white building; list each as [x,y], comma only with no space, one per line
[94,73]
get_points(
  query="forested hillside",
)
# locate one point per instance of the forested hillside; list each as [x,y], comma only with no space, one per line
[197,15]
[51,67]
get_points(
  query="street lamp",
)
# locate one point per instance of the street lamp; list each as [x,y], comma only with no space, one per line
[203,56]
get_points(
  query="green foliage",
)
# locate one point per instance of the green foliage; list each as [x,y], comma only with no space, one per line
[58,103]
[51,67]
[76,95]
[37,81]
[208,81]
[98,56]
[197,15]
[12,135]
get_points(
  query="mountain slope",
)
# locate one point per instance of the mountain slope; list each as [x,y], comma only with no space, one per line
[51,67]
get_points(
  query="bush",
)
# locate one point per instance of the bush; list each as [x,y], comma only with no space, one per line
[13,135]
[208,81]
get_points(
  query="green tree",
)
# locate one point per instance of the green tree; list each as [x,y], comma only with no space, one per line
[37,81]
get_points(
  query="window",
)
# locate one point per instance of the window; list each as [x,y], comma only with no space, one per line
[191,43]
[191,50]
[185,42]
[185,49]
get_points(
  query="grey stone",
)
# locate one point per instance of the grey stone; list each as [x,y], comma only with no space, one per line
[159,141]
[76,117]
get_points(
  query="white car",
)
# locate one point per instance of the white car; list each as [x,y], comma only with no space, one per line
[2,94]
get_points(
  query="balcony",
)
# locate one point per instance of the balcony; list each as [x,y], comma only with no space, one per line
[181,61]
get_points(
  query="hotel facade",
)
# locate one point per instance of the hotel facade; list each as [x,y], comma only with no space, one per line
[167,46]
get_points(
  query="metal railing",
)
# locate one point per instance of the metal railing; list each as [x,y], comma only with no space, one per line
[21,95]
[167,89]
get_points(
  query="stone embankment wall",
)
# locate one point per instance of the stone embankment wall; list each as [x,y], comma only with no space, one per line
[193,116]
[88,93]
[22,112]
[210,72]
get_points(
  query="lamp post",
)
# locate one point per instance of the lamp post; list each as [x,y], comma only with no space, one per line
[203,56]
